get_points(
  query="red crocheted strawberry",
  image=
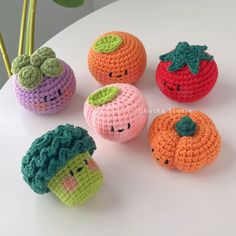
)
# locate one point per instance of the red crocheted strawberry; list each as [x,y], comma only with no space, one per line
[187,73]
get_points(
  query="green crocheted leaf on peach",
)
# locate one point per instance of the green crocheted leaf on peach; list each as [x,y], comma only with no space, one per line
[107,44]
[30,77]
[185,54]
[52,67]
[20,62]
[103,96]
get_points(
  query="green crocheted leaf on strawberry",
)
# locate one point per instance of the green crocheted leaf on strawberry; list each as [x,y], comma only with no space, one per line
[30,77]
[52,67]
[103,96]
[185,54]
[20,62]
[107,44]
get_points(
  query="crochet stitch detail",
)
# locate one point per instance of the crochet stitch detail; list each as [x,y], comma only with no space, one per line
[108,43]
[185,54]
[20,62]
[52,67]
[185,127]
[43,61]
[50,153]
[103,96]
[30,77]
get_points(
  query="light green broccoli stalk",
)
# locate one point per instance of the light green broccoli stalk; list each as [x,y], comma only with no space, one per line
[60,161]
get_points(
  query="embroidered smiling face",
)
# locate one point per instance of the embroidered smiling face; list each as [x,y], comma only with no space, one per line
[187,73]
[43,83]
[117,112]
[60,161]
[78,180]
[117,57]
[184,140]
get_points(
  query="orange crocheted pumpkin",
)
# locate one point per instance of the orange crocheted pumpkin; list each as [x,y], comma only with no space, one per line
[184,140]
[117,57]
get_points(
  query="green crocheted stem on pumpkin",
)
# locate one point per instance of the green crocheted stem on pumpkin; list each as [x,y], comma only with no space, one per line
[78,181]
[186,126]
[184,54]
[103,96]
[107,44]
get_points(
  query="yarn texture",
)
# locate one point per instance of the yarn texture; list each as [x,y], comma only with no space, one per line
[103,96]
[117,57]
[60,161]
[118,119]
[31,69]
[51,96]
[187,73]
[107,44]
[184,140]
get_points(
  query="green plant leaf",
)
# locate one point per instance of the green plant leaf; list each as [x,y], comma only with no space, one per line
[70,3]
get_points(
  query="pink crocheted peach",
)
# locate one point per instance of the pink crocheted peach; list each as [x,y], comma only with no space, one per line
[117,112]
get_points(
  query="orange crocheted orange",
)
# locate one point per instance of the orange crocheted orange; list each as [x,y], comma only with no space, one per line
[184,140]
[124,62]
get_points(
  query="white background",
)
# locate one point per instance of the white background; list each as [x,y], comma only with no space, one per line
[138,197]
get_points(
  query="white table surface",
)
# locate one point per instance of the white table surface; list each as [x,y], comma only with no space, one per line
[138,197]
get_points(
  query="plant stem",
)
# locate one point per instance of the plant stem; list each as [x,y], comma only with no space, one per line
[22,27]
[5,56]
[30,27]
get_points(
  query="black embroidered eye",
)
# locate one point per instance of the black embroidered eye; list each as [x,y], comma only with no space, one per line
[45,99]
[126,72]
[86,162]
[110,74]
[71,173]
[59,92]
[129,125]
[79,169]
[152,149]
[112,129]
[166,162]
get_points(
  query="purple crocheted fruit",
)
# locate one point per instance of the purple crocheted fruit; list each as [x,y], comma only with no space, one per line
[40,93]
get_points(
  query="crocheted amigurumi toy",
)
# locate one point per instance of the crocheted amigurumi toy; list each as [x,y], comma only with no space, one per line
[187,73]
[117,57]
[60,161]
[43,83]
[117,112]
[184,140]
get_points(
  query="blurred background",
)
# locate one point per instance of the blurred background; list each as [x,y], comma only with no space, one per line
[50,19]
